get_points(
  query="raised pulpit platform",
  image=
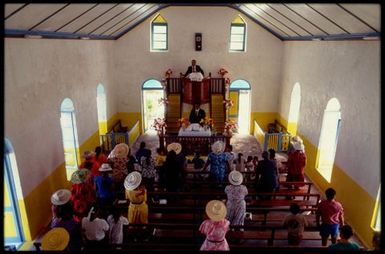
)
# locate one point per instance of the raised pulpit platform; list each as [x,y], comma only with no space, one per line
[195,92]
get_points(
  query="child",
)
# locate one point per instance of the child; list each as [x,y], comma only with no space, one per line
[295,223]
[332,215]
[249,167]
[148,170]
[346,232]
[116,222]
[239,163]
[95,230]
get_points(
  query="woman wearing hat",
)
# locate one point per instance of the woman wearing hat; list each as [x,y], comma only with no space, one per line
[296,165]
[218,162]
[173,168]
[56,239]
[118,160]
[136,193]
[82,193]
[62,212]
[104,186]
[216,227]
[90,163]
[236,193]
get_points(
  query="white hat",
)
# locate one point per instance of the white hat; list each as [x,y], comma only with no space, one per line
[235,177]
[121,150]
[61,197]
[132,180]
[55,239]
[176,147]
[296,139]
[105,167]
[298,146]
[216,210]
[218,147]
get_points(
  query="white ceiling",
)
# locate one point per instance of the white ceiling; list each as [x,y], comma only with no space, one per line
[110,21]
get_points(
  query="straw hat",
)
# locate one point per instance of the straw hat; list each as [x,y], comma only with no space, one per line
[105,167]
[121,150]
[216,210]
[218,147]
[88,155]
[176,147]
[132,180]
[61,197]
[235,177]
[55,239]
[298,146]
[79,176]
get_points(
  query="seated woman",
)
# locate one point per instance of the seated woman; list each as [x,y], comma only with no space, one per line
[136,193]
[216,227]
[236,193]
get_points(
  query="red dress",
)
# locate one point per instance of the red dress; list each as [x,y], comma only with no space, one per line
[296,167]
[95,167]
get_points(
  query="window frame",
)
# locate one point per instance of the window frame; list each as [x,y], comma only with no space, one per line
[153,25]
[243,37]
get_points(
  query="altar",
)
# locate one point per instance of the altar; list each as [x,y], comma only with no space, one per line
[194,130]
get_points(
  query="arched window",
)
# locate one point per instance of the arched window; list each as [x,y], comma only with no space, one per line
[69,136]
[152,93]
[238,35]
[295,103]
[327,146]
[13,226]
[102,109]
[159,34]
[240,111]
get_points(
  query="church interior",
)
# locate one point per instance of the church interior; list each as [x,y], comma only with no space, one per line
[78,76]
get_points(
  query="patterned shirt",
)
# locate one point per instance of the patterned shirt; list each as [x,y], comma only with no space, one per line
[217,165]
[330,211]
[148,169]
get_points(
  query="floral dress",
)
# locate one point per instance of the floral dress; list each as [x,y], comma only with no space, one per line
[236,204]
[217,166]
[148,169]
[215,232]
[119,168]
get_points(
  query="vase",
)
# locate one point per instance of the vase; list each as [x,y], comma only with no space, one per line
[227,139]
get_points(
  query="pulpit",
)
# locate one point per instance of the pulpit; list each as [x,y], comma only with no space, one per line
[195,92]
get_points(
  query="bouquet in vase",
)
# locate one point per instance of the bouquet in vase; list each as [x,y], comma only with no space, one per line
[160,125]
[230,127]
[207,123]
[183,122]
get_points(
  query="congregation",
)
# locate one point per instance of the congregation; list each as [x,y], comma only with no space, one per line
[90,216]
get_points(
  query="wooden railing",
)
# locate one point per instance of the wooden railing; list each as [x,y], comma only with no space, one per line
[277,141]
[109,140]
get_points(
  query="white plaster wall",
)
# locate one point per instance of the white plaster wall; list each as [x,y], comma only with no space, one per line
[260,65]
[39,74]
[349,71]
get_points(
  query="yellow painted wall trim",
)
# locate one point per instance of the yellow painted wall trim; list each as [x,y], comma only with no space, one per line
[263,119]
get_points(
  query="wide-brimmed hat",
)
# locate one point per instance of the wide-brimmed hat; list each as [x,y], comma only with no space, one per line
[176,147]
[218,147]
[55,239]
[132,180]
[88,155]
[79,176]
[61,197]
[235,177]
[216,210]
[121,150]
[298,146]
[296,139]
[105,167]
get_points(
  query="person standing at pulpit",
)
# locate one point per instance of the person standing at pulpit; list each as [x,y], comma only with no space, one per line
[197,114]
[194,72]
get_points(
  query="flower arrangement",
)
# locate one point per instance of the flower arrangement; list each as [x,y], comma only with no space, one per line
[228,103]
[159,125]
[183,122]
[222,72]
[227,81]
[163,101]
[168,73]
[207,122]
[230,127]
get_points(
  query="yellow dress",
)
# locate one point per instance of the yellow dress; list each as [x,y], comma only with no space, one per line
[138,209]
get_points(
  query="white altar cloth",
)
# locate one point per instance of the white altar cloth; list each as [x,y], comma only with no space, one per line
[194,129]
